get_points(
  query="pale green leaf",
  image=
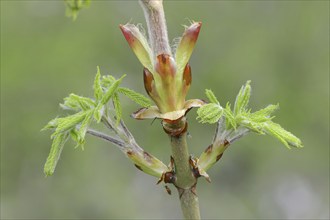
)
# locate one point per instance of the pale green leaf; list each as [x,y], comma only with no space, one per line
[253,126]
[55,153]
[74,134]
[107,81]
[74,6]
[209,113]
[242,99]
[98,93]
[286,137]
[81,132]
[263,114]
[77,103]
[136,97]
[230,118]
[51,124]
[69,122]
[111,90]
[117,106]
[210,95]
[98,113]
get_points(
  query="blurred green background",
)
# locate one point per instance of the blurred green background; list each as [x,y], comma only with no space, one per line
[282,46]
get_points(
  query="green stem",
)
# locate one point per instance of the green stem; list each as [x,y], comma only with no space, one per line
[185,180]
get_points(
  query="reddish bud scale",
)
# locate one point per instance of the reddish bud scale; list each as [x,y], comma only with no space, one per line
[148,80]
[127,34]
[192,32]
[187,75]
[165,65]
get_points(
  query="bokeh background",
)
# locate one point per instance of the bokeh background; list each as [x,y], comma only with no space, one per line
[282,46]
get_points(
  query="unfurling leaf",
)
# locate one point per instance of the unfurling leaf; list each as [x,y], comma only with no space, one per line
[111,90]
[74,6]
[118,108]
[66,123]
[77,103]
[209,113]
[83,129]
[210,95]
[264,114]
[136,97]
[98,92]
[55,153]
[230,118]
[287,138]
[242,98]
[52,124]
[108,94]
[107,81]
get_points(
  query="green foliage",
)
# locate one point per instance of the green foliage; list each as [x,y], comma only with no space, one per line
[77,103]
[55,152]
[286,137]
[210,95]
[230,117]
[241,117]
[87,110]
[118,108]
[105,98]
[209,113]
[242,99]
[135,97]
[74,6]
[98,92]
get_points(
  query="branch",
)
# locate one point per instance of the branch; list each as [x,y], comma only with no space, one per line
[106,137]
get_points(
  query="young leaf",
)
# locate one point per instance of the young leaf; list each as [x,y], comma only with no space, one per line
[74,135]
[52,124]
[136,97]
[74,6]
[230,118]
[287,138]
[252,125]
[55,153]
[209,113]
[98,112]
[263,114]
[118,108]
[210,95]
[98,93]
[77,103]
[242,98]
[111,90]
[81,132]
[107,81]
[67,123]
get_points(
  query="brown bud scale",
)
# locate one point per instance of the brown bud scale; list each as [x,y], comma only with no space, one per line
[219,156]
[137,166]
[187,75]
[208,150]
[148,80]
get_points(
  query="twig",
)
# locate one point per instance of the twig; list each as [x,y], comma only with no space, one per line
[106,137]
